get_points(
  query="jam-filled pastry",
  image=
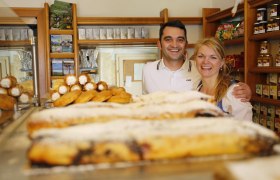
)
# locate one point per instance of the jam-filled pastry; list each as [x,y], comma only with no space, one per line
[71,79]
[63,89]
[7,102]
[67,98]
[84,78]
[15,91]
[8,82]
[76,87]
[25,97]
[137,140]
[102,96]
[90,86]
[102,85]
[55,95]
[3,91]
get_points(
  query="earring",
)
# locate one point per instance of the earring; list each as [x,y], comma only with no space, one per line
[221,69]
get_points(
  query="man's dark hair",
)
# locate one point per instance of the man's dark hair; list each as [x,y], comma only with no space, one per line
[175,23]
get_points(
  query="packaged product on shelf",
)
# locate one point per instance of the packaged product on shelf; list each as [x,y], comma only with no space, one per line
[273,77]
[256,108]
[265,90]
[67,43]
[265,47]
[96,33]
[56,43]
[61,15]
[259,89]
[273,91]
[264,109]
[274,9]
[145,32]
[277,125]
[130,33]
[138,33]
[110,33]
[276,23]
[16,34]
[2,35]
[261,14]
[260,60]
[270,122]
[278,92]
[68,66]
[23,34]
[103,33]
[81,33]
[8,34]
[256,27]
[124,33]
[277,58]
[263,120]
[267,60]
[225,31]
[256,118]
[277,112]
[271,110]
[89,33]
[269,26]
[117,33]
[57,67]
[262,27]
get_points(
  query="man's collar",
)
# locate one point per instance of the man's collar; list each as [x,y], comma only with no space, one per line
[161,65]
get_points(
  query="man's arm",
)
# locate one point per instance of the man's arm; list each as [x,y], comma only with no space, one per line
[242,92]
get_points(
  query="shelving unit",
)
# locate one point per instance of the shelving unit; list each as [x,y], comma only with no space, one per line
[64,55]
[212,18]
[37,13]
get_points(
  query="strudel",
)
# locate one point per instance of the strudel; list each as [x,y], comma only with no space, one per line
[136,140]
[75,115]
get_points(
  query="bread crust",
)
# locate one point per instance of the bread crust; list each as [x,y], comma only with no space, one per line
[67,98]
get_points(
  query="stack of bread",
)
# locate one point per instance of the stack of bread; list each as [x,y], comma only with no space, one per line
[83,89]
[11,92]
[158,126]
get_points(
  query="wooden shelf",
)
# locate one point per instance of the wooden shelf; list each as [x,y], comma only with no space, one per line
[264,36]
[61,32]
[239,70]
[266,100]
[188,20]
[152,41]
[57,77]
[224,14]
[15,43]
[265,70]
[62,55]
[119,20]
[236,41]
[118,41]
[258,3]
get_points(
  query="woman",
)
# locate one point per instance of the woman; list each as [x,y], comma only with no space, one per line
[210,62]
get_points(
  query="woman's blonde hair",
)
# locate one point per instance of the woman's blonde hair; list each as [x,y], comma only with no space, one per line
[223,79]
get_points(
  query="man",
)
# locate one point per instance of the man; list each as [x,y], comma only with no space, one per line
[173,72]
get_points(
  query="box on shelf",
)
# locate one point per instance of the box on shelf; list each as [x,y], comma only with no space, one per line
[259,89]
[265,90]
[263,109]
[273,92]
[68,66]
[57,65]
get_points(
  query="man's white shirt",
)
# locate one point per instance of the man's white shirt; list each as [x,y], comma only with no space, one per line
[157,77]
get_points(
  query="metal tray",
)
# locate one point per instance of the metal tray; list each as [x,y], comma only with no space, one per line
[14,143]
